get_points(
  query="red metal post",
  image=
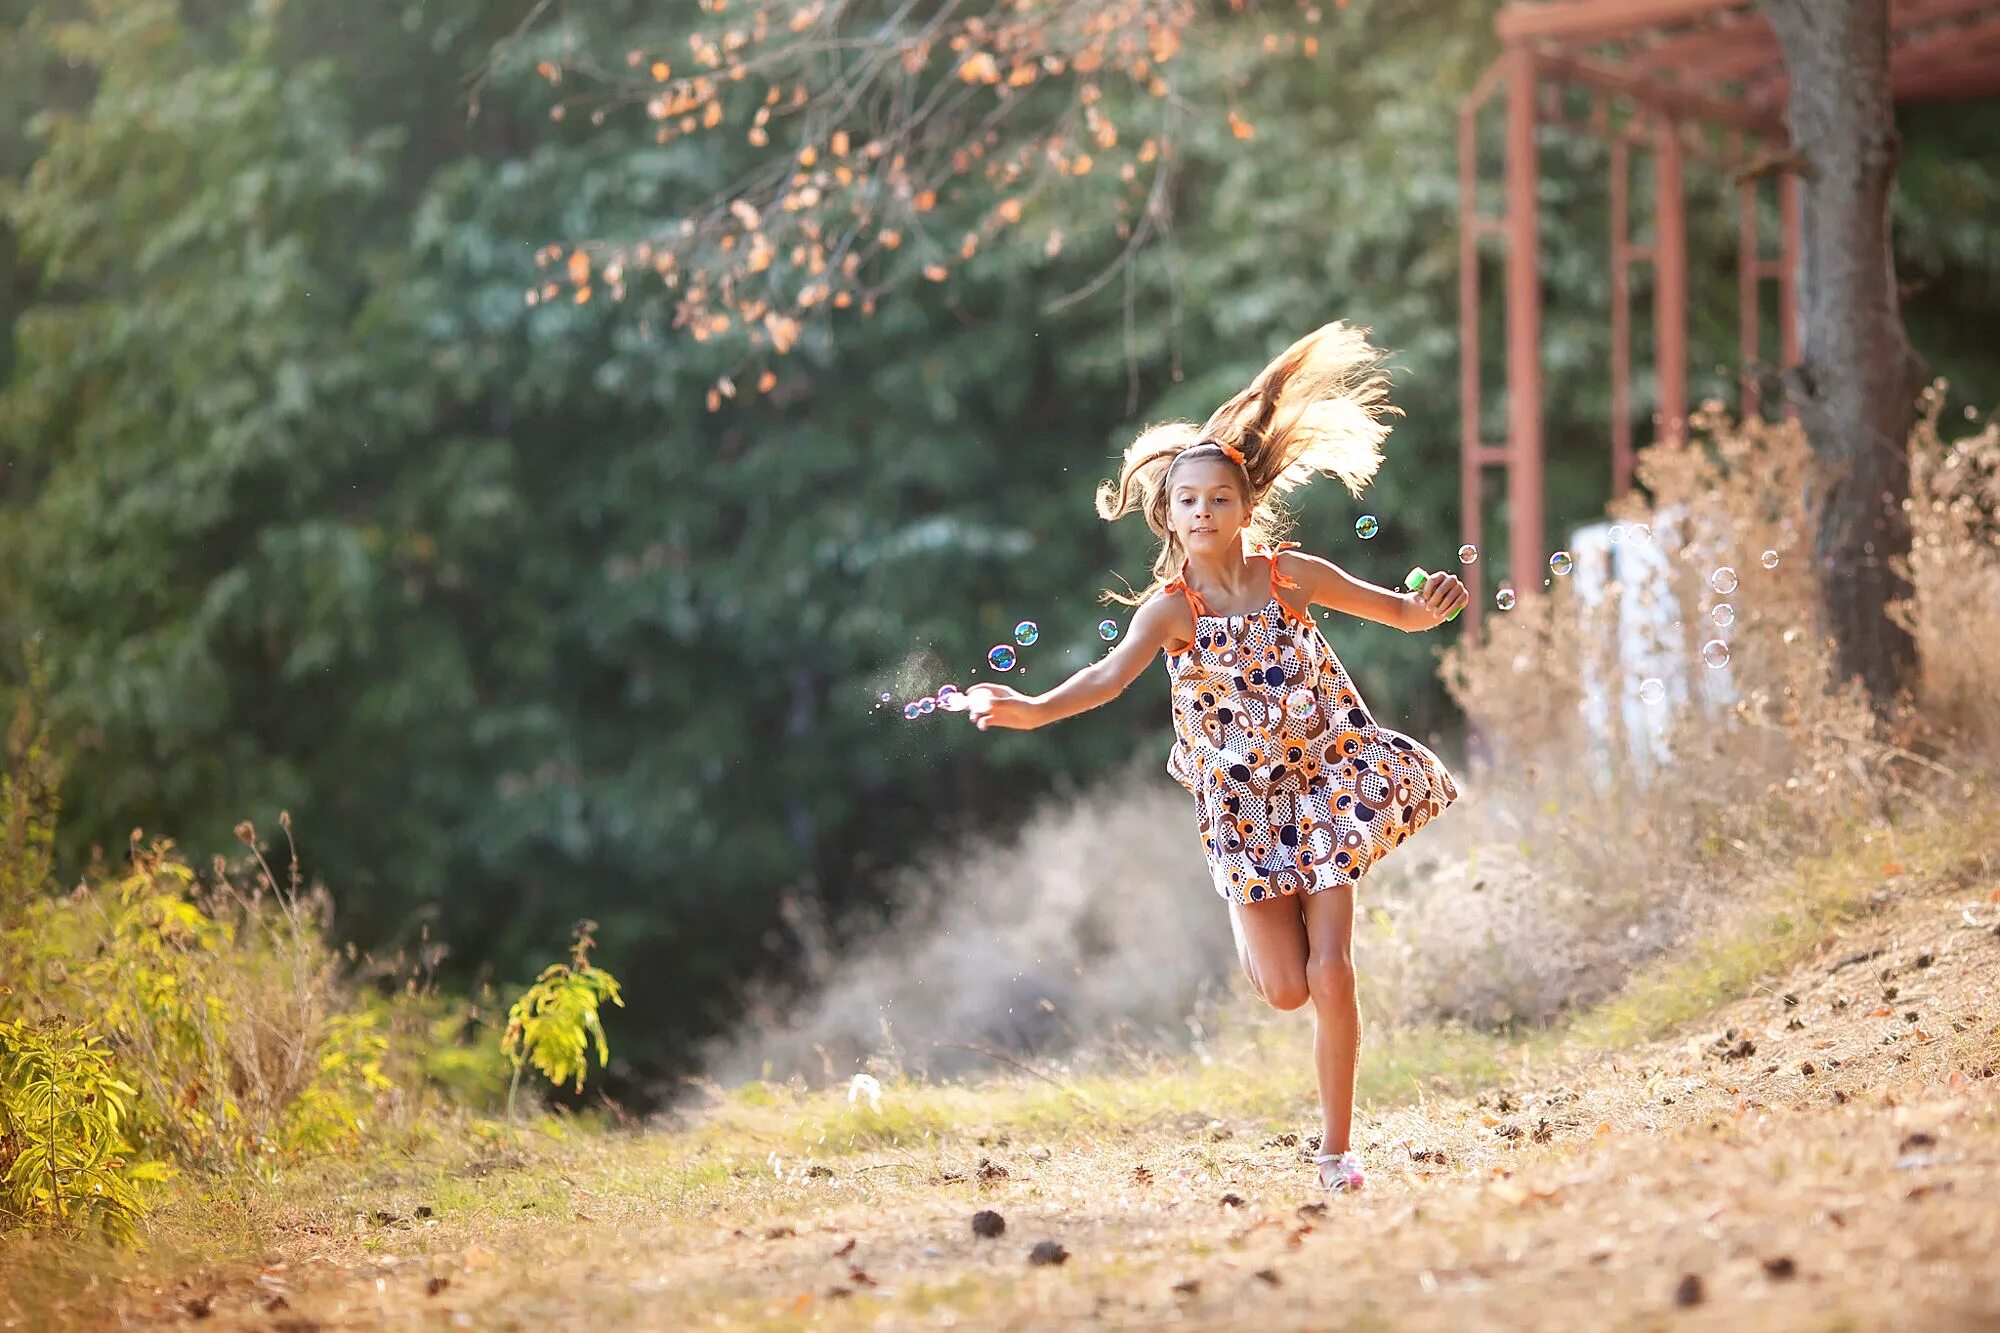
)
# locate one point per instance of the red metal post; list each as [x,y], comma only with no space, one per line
[1621,318]
[1749,264]
[1669,280]
[1524,328]
[1469,460]
[1788,275]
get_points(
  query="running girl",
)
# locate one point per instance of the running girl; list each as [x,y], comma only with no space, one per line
[1297,790]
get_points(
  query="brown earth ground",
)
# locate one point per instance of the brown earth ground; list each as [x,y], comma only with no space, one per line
[1824,1154]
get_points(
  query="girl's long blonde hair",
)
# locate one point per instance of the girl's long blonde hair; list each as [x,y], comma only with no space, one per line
[1318,407]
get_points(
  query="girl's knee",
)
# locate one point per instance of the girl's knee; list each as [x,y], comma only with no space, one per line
[1330,978]
[1291,993]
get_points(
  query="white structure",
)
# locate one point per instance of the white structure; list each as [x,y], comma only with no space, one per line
[1628,562]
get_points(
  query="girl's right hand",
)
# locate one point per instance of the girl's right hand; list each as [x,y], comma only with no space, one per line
[1000,706]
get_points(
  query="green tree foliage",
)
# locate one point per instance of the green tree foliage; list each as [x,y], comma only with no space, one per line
[315,510]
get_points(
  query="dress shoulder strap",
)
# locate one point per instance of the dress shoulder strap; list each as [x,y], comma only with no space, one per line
[1280,579]
[1179,584]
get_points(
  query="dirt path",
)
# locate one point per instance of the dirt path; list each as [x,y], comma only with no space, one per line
[1823,1156]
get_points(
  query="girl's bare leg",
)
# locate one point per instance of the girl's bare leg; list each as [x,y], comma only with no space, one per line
[1329,976]
[1271,945]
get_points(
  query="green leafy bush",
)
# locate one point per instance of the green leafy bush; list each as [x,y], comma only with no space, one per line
[554,1024]
[64,1161]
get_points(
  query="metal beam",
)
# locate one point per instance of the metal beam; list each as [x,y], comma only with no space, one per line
[1525,536]
[1749,264]
[1687,52]
[1597,20]
[1670,282]
[1621,318]
[1678,102]
[1470,449]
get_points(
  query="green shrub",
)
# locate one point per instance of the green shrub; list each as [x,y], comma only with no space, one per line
[64,1161]
[554,1024]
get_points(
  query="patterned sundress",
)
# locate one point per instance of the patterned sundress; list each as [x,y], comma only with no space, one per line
[1296,788]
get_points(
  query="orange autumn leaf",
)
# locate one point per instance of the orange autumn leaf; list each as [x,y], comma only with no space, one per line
[925,202]
[660,71]
[891,238]
[935,272]
[1240,127]
[579,267]
[980,67]
[1010,210]
[767,382]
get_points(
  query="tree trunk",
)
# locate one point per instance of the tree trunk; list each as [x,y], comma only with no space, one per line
[1857,380]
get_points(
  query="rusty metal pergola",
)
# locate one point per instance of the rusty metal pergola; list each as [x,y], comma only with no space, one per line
[1672,78]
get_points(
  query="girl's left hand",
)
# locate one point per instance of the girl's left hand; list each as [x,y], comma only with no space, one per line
[1441,595]
[999,706]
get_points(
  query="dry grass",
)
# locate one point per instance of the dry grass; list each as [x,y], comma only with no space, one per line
[1565,1168]
[1572,864]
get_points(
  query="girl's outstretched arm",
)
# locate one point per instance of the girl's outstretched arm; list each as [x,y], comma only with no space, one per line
[1327,584]
[1160,621]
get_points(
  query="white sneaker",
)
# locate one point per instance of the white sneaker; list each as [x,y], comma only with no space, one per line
[1341,1172]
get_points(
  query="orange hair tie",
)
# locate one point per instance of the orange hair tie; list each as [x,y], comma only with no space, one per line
[1231,452]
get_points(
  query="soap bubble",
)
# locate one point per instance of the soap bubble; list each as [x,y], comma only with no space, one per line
[1107,630]
[1504,599]
[1715,652]
[926,705]
[1652,689]
[944,694]
[1468,554]
[1299,702]
[1617,534]
[1001,658]
[1562,562]
[1366,526]
[1641,534]
[911,712]
[1770,559]
[882,698]
[1027,632]
[1723,615]
[1723,580]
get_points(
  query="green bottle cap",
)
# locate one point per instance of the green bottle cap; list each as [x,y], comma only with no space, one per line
[1415,583]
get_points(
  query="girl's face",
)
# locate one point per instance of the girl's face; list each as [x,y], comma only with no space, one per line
[1205,507]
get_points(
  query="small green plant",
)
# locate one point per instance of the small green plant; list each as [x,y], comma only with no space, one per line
[553,1025]
[64,1161]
